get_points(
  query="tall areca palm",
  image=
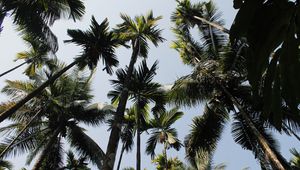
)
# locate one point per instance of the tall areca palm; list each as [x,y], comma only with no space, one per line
[209,82]
[142,91]
[62,106]
[97,43]
[35,17]
[162,132]
[137,33]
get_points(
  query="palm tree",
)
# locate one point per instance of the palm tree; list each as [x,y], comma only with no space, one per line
[34,17]
[75,164]
[142,91]
[63,106]
[136,32]
[213,81]
[98,42]
[162,132]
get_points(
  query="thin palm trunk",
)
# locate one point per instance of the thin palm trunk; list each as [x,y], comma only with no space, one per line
[261,140]
[10,70]
[165,155]
[44,153]
[114,137]
[121,156]
[20,133]
[138,138]
[34,93]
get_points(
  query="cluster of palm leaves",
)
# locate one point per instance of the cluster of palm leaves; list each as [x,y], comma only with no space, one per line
[221,79]
[48,108]
[48,111]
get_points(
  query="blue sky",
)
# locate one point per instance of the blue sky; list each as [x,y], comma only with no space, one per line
[170,68]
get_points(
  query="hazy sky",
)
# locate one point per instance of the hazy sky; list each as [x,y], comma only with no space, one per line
[170,68]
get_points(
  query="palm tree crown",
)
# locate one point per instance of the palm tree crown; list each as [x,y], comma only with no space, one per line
[97,42]
[34,17]
[62,107]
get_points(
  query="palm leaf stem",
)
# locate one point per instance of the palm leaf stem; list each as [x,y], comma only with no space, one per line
[19,134]
[16,67]
[219,27]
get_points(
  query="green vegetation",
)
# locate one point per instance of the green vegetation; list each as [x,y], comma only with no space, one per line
[247,75]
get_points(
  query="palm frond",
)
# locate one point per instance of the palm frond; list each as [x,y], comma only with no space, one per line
[97,43]
[85,145]
[205,134]
[54,159]
[245,137]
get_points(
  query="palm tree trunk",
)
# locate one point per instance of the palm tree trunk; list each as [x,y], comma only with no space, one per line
[261,140]
[138,138]
[34,93]
[165,155]
[43,155]
[10,70]
[20,133]
[121,156]
[114,137]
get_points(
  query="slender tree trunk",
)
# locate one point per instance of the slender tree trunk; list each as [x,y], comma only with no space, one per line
[165,155]
[114,137]
[43,155]
[10,70]
[20,133]
[261,140]
[138,138]
[34,93]
[121,156]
